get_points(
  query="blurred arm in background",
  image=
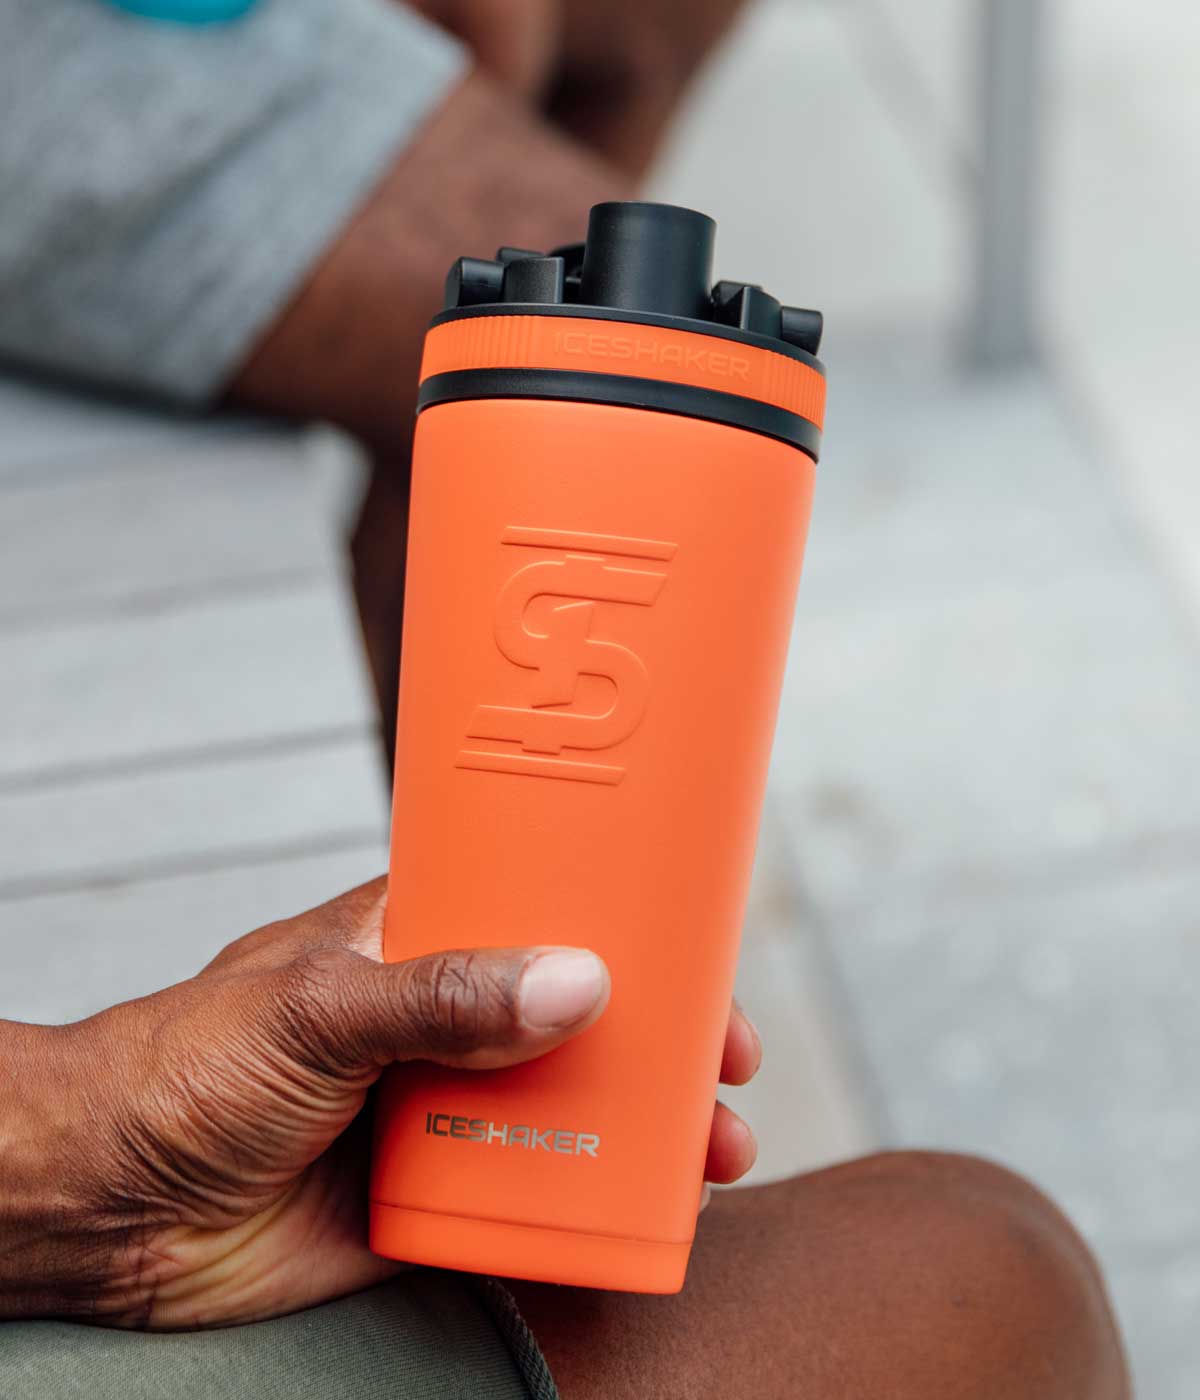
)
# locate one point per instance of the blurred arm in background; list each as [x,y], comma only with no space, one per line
[566,108]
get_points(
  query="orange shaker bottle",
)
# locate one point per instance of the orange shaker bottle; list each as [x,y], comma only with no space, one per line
[612,477]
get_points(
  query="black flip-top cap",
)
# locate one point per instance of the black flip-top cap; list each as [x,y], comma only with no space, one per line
[648,257]
[642,265]
[641,261]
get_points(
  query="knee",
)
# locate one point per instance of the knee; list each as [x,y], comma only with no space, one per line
[989,1272]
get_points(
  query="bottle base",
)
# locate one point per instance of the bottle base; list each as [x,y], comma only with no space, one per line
[527,1251]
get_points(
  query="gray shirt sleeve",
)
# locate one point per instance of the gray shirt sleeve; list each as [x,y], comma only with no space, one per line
[164,188]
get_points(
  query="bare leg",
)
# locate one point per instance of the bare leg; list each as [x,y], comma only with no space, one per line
[907,1276]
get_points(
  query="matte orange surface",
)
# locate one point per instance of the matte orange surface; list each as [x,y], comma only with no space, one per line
[527,1251]
[598,611]
[625,347]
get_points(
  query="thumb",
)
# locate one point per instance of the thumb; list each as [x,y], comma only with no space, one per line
[485,1008]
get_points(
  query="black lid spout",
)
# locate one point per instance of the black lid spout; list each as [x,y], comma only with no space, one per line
[648,257]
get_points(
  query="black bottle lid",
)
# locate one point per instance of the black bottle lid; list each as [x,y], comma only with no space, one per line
[640,261]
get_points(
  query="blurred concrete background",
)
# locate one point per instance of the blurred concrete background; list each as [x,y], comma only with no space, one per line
[975,915]
[987,777]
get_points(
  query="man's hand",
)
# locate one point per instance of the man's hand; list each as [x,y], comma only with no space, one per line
[197,1158]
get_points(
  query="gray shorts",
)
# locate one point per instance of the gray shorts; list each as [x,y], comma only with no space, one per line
[166,188]
[427,1335]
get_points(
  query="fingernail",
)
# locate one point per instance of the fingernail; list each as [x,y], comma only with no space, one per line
[558,989]
[705,1196]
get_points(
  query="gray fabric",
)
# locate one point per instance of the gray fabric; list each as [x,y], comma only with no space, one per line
[164,187]
[425,1336]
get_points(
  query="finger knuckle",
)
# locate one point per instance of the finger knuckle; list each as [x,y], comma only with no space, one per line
[457,1000]
[312,996]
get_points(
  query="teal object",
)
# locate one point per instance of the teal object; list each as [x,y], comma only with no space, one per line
[186,11]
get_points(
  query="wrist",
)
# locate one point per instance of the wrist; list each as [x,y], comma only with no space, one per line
[55,1240]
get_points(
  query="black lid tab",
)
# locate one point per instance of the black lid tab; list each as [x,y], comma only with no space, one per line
[747,307]
[474,282]
[802,327]
[534,279]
